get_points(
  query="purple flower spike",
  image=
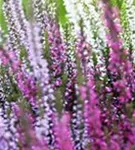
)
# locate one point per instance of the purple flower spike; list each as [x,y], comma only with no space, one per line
[57,51]
[119,65]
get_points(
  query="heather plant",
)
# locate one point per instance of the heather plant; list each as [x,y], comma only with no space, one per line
[67,75]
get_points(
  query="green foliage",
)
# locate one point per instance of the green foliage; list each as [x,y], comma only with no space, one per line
[95,61]
[117,3]
[61,12]
[3,24]
[27,6]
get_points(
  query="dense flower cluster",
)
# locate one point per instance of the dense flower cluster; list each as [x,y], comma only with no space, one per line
[71,85]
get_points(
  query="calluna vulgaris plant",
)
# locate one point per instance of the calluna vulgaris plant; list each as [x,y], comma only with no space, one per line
[67,75]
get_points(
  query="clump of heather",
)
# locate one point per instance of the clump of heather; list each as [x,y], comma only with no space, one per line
[67,75]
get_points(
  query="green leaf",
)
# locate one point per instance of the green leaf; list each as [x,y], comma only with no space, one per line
[120,3]
[3,23]
[27,6]
[95,61]
[61,12]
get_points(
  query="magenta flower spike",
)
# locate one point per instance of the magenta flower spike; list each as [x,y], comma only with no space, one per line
[120,67]
[21,76]
[83,52]
[93,132]
[27,130]
[63,132]
[57,51]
